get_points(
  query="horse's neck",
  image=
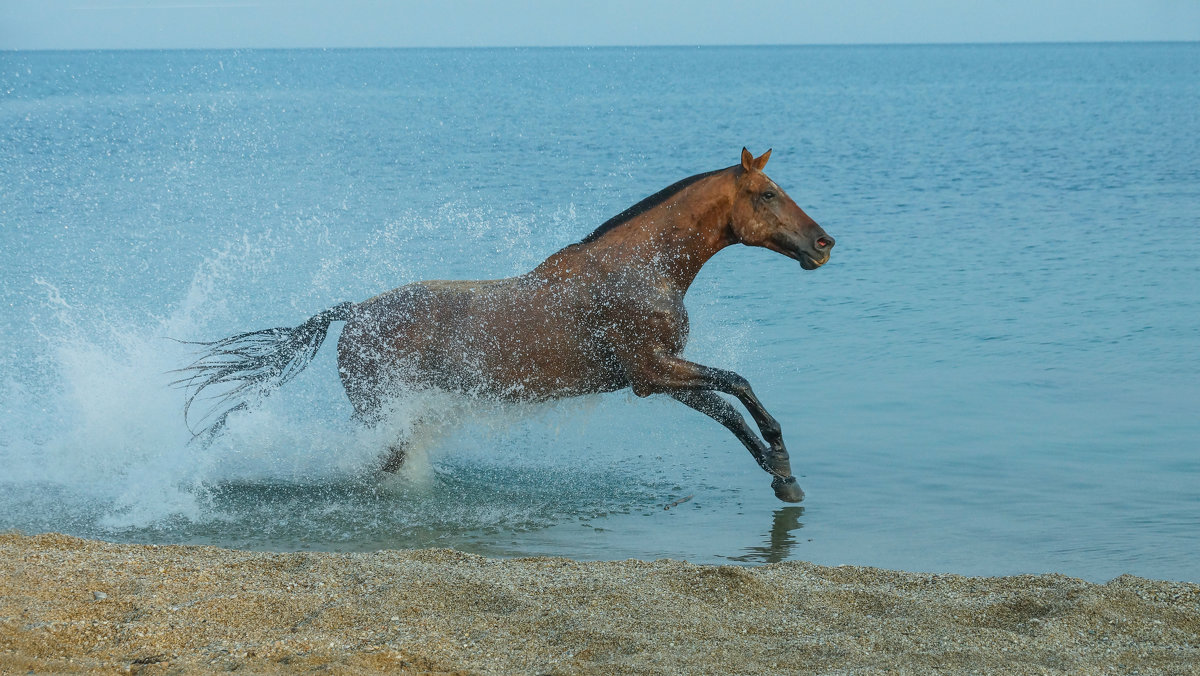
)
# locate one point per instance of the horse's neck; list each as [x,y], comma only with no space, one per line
[670,242]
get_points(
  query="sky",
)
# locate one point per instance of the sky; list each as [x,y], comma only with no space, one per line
[161,24]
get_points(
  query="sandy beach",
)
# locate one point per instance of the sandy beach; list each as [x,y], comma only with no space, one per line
[74,605]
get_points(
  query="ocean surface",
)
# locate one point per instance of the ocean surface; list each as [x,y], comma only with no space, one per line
[997,373]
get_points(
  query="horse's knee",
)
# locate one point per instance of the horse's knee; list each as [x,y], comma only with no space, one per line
[738,386]
[771,430]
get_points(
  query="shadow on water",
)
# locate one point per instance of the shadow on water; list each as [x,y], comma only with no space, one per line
[779,541]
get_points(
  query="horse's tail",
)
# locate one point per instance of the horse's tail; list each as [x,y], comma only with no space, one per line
[252,364]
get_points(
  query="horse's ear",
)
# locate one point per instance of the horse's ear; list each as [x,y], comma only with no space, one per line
[747,160]
[761,161]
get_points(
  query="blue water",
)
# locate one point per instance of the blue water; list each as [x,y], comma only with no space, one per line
[998,372]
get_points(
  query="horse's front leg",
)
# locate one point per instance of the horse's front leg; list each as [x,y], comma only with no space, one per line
[712,405]
[670,374]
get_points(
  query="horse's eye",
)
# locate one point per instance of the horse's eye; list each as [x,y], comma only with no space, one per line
[768,195]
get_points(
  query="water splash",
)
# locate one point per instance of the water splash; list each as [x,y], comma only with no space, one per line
[96,443]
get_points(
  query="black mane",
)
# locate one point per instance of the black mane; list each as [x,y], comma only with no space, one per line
[645,205]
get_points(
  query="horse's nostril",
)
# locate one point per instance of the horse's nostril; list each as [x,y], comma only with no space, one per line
[824,242]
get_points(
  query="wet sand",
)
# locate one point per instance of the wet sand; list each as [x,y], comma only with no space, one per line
[68,604]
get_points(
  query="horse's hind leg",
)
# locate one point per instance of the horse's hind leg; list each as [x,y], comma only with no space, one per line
[395,459]
[407,451]
[368,410]
[396,452]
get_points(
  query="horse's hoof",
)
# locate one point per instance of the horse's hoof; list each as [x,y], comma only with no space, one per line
[787,489]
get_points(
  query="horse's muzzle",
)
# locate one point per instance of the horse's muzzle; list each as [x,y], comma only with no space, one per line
[811,255]
[822,245]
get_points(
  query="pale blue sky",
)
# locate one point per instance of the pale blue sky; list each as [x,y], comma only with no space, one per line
[91,24]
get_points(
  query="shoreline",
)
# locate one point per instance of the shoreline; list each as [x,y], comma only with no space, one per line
[70,604]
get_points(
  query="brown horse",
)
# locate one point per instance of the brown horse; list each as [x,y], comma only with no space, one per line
[600,315]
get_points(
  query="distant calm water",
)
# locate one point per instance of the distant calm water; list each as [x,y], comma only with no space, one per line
[999,371]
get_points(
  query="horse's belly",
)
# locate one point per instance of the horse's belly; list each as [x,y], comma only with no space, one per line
[484,338]
[545,370]
[524,350]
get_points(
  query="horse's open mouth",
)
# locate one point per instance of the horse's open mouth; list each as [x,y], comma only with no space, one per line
[808,262]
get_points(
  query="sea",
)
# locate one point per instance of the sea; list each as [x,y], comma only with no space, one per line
[997,373]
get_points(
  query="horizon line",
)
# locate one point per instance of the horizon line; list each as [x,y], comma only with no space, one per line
[603,46]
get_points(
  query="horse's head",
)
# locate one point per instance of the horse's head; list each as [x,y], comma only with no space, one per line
[763,215]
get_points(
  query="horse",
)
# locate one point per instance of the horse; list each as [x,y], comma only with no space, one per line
[600,315]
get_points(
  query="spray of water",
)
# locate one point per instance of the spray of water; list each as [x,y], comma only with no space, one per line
[94,441]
